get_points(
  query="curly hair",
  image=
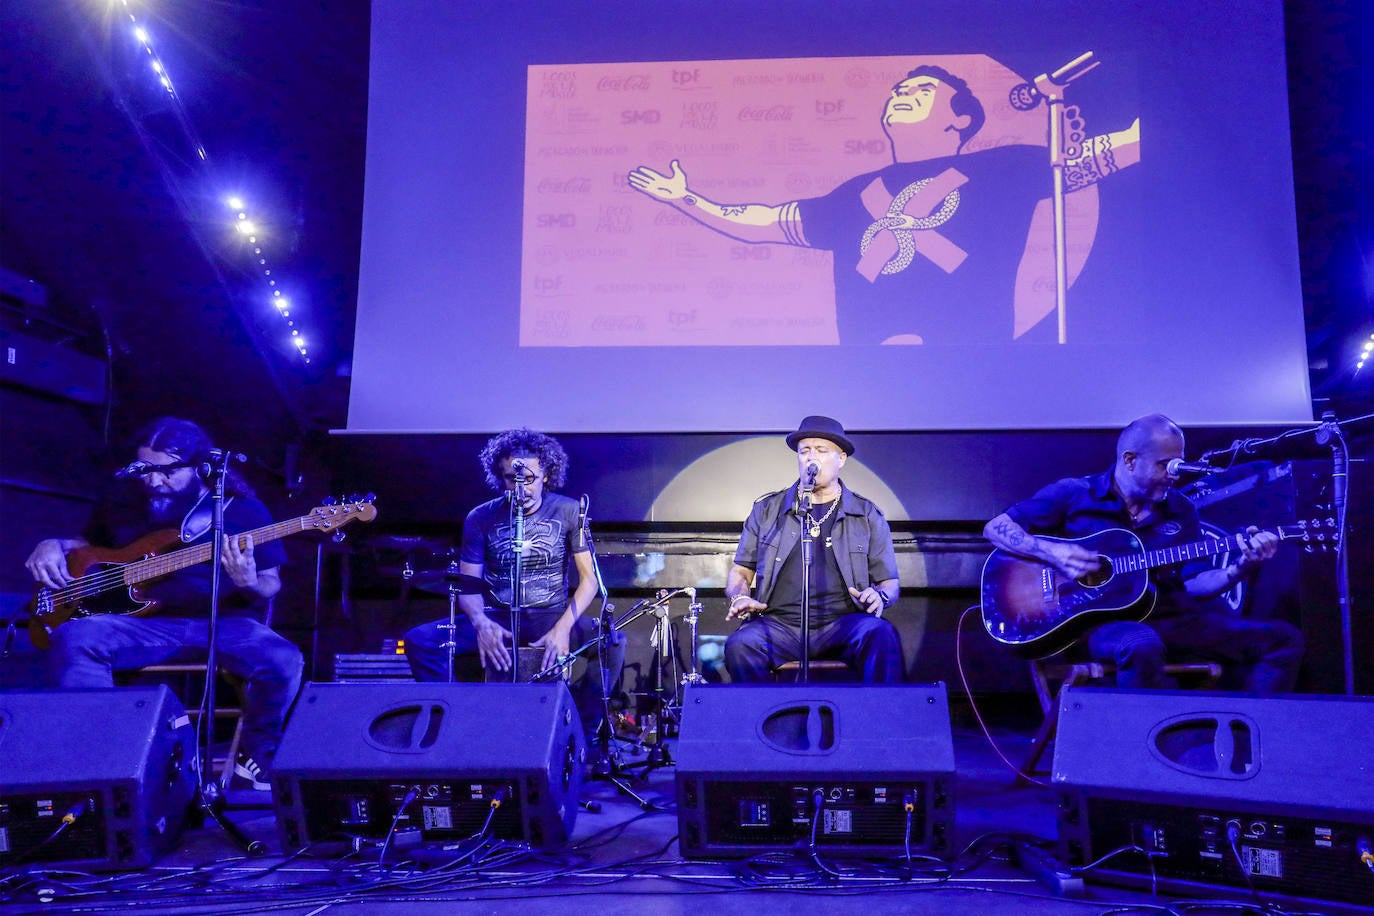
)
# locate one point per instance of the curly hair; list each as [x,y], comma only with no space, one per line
[527,443]
[186,441]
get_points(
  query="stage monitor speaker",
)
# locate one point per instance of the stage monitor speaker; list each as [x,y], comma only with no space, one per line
[94,779]
[431,758]
[1219,790]
[867,770]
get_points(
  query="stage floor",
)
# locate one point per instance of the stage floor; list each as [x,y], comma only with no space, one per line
[622,859]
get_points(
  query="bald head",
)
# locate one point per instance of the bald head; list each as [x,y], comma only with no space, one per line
[1143,452]
[1139,434]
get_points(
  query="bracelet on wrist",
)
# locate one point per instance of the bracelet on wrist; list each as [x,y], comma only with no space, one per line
[735,600]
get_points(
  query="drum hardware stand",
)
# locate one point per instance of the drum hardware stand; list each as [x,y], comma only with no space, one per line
[693,674]
[662,641]
[214,468]
[451,628]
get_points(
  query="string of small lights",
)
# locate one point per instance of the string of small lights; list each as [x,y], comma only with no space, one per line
[246,227]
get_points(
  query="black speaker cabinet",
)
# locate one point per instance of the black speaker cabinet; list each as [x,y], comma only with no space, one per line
[1215,788]
[117,765]
[863,768]
[430,757]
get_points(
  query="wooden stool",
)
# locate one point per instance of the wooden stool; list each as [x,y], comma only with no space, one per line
[821,670]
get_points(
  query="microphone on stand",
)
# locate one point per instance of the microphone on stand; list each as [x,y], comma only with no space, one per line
[135,469]
[809,485]
[1177,466]
[582,506]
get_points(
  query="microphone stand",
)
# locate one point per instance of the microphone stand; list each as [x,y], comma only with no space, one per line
[517,571]
[1328,432]
[805,500]
[211,800]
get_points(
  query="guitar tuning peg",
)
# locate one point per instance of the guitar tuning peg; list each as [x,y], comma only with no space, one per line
[328,501]
[340,536]
[370,497]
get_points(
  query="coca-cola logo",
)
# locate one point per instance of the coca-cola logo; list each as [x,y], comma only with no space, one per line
[766,113]
[631,82]
[565,185]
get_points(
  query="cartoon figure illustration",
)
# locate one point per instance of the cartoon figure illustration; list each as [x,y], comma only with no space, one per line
[934,247]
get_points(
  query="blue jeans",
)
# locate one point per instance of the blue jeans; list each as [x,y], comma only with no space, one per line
[1269,651]
[87,651]
[868,644]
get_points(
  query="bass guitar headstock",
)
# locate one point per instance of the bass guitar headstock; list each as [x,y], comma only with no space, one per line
[332,515]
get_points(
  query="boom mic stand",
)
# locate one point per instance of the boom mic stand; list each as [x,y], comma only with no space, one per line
[215,469]
[662,641]
[1328,432]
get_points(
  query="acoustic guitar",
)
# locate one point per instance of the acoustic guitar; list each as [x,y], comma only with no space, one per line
[107,580]
[1039,611]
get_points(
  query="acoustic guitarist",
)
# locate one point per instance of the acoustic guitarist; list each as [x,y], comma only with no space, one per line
[1137,495]
[162,489]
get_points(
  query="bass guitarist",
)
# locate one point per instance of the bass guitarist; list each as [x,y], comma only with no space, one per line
[163,490]
[1136,494]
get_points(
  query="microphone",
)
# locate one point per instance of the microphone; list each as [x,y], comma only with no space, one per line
[691,592]
[582,506]
[1177,466]
[136,469]
[812,469]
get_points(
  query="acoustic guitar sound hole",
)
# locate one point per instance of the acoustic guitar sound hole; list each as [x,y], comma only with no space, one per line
[1099,576]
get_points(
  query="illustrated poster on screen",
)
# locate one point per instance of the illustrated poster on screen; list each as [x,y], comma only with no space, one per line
[886,200]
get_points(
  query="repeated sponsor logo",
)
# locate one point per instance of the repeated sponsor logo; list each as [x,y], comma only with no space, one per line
[751,253]
[619,323]
[829,109]
[765,113]
[624,82]
[686,78]
[858,78]
[546,254]
[797,183]
[643,116]
[866,147]
[552,323]
[614,219]
[579,152]
[558,84]
[547,285]
[699,116]
[555,220]
[682,319]
[564,185]
[672,218]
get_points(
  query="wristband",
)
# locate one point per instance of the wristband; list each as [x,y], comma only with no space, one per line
[736,599]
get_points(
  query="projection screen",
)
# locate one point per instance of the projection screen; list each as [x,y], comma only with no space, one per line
[718,216]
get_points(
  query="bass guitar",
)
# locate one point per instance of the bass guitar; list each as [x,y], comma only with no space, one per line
[1039,611]
[107,580]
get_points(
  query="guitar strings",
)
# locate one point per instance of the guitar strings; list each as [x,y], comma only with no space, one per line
[95,583]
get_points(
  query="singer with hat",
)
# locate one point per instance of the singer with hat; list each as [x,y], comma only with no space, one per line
[852,577]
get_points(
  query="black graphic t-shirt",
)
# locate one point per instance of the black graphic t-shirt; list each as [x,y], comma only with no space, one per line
[956,285]
[551,538]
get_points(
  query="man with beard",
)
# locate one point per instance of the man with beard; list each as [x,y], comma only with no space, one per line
[1137,495]
[86,651]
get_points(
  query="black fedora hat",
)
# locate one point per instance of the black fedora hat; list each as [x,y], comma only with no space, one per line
[821,428]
